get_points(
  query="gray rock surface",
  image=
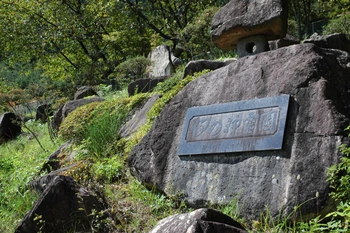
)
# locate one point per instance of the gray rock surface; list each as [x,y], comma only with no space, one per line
[138,119]
[252,45]
[200,65]
[318,81]
[243,18]
[163,62]
[284,42]
[199,221]
[84,91]
[334,41]
[41,183]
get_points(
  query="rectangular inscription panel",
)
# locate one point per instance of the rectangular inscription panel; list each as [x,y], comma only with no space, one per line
[251,125]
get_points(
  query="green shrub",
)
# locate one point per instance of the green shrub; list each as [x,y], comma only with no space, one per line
[169,83]
[293,28]
[103,130]
[195,38]
[339,25]
[75,124]
[339,180]
[109,170]
[97,124]
[340,219]
[339,175]
[131,69]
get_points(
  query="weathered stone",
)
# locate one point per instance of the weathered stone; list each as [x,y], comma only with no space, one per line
[163,62]
[244,18]
[57,119]
[284,42]
[144,85]
[63,207]
[43,112]
[54,160]
[10,126]
[84,91]
[252,45]
[40,184]
[200,65]
[333,41]
[198,221]
[69,107]
[138,119]
[318,82]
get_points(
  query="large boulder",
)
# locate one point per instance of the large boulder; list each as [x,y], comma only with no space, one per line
[64,206]
[43,112]
[144,85]
[199,221]
[197,66]
[240,19]
[69,107]
[334,41]
[318,82]
[55,159]
[284,42]
[43,182]
[139,118]
[84,91]
[10,126]
[163,62]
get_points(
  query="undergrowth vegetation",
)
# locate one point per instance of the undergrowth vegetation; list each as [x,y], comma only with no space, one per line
[102,153]
[101,163]
[20,162]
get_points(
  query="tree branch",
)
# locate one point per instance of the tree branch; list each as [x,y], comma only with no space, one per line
[65,57]
[142,16]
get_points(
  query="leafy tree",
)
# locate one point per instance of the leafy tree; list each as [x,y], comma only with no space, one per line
[304,12]
[132,69]
[168,18]
[334,7]
[339,25]
[72,40]
[81,42]
[22,83]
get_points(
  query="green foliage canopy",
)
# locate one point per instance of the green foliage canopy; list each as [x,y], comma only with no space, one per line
[72,40]
[81,41]
[304,12]
[168,18]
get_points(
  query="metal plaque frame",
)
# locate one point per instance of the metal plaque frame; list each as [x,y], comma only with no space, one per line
[250,125]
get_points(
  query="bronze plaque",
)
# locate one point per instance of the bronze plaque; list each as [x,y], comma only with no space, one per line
[251,125]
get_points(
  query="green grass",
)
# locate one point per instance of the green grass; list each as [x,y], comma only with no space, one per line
[20,161]
[138,209]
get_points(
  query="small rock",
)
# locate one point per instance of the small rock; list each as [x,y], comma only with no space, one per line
[83,92]
[199,221]
[10,126]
